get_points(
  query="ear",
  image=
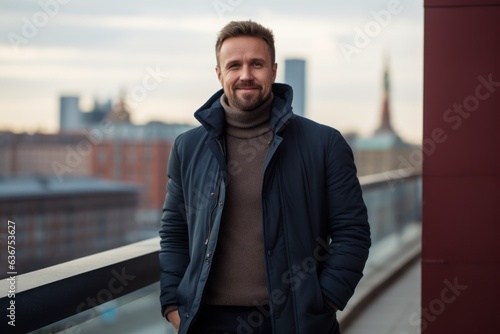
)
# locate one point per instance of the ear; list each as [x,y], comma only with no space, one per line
[275,70]
[219,74]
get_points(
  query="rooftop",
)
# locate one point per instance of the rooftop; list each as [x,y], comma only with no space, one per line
[37,186]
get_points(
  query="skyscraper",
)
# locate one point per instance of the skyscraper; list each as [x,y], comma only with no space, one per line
[295,76]
[70,118]
[73,119]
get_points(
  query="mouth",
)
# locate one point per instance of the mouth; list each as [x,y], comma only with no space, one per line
[247,88]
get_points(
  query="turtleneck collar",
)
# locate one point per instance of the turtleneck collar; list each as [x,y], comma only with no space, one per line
[250,123]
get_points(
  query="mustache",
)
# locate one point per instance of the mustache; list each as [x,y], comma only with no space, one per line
[247,85]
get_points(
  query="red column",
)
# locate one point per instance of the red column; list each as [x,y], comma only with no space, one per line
[461,171]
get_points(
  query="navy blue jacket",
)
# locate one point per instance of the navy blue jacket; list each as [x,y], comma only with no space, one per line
[316,232]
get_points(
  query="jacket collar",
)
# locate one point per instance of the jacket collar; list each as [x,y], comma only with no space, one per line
[211,115]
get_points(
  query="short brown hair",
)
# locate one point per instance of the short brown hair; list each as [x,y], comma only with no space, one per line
[249,29]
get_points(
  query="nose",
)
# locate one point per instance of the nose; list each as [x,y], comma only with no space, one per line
[246,73]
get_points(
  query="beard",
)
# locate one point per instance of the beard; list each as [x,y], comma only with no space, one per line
[247,101]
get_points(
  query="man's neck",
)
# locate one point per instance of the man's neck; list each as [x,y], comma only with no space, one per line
[247,118]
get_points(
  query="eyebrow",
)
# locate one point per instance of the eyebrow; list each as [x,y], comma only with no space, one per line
[237,61]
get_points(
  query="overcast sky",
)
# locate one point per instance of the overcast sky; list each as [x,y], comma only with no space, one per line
[95,48]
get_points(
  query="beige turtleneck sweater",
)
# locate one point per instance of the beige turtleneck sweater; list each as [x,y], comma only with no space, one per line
[238,274]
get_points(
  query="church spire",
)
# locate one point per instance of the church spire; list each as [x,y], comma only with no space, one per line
[385,123]
[121,110]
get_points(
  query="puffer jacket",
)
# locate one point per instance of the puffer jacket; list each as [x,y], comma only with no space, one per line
[316,231]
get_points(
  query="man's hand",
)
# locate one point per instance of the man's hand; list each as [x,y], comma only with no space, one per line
[174,318]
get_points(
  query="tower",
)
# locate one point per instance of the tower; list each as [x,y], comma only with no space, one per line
[385,121]
[121,111]
[295,76]
[70,117]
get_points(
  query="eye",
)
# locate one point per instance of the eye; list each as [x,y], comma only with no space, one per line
[257,64]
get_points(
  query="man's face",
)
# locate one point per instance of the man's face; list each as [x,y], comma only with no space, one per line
[245,71]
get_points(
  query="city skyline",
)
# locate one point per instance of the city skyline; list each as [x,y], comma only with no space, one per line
[163,56]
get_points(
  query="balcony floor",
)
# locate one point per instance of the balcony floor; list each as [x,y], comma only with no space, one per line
[396,310]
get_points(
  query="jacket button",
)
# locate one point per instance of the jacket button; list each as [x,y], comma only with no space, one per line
[270,252]
[212,194]
[221,203]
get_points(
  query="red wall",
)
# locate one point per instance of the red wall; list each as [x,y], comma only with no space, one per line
[461,175]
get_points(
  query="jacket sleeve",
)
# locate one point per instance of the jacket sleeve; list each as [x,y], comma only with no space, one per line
[174,244]
[348,225]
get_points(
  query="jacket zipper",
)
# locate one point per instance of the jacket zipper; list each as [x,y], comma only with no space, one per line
[216,200]
[216,197]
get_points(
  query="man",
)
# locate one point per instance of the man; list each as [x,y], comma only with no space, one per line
[264,229]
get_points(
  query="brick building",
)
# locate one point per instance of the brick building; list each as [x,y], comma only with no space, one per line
[142,162]
[42,154]
[120,151]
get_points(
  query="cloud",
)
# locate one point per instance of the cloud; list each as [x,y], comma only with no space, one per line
[94,46]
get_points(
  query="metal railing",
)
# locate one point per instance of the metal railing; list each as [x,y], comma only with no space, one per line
[393,200]
[56,294]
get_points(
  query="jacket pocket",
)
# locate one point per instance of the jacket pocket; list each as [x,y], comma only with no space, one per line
[181,295]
